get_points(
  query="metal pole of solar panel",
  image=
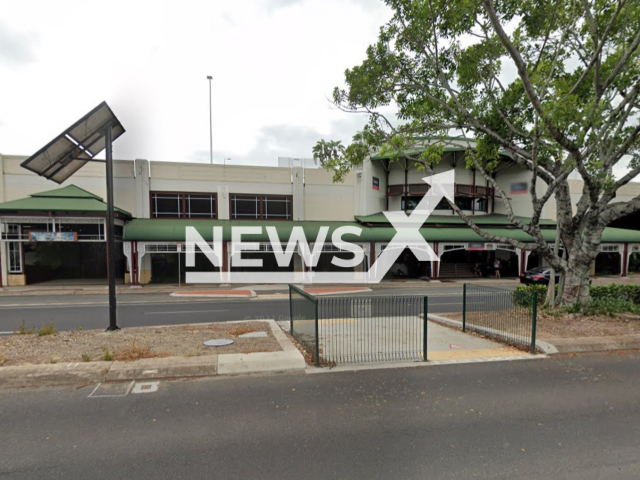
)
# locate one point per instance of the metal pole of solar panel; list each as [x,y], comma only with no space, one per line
[111,242]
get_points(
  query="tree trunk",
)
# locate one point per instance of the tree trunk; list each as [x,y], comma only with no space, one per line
[578,273]
[576,283]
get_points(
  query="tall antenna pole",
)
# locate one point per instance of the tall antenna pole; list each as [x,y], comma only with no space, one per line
[209,77]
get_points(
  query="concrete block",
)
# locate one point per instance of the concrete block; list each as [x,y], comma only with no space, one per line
[239,363]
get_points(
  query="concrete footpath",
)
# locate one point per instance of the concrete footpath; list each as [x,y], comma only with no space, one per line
[555,346]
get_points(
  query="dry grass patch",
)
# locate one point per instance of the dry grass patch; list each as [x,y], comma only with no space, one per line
[3,357]
[137,351]
[241,330]
[134,343]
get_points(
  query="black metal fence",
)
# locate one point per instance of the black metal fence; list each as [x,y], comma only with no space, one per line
[342,330]
[497,313]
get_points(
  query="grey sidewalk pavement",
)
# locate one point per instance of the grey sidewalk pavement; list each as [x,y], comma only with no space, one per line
[554,346]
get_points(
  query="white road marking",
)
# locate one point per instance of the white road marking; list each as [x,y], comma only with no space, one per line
[91,395]
[184,311]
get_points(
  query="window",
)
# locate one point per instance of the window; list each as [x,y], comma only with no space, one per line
[411,203]
[443,205]
[464,203]
[183,205]
[15,257]
[13,232]
[264,207]
[481,204]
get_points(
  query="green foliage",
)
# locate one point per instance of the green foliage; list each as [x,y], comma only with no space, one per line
[609,306]
[86,357]
[23,330]
[49,329]
[107,356]
[552,85]
[628,293]
[604,300]
[523,294]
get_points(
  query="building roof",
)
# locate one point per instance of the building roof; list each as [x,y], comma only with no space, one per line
[160,230]
[66,199]
[70,191]
[489,219]
[451,144]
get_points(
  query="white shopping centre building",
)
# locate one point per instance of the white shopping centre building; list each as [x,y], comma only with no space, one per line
[53,233]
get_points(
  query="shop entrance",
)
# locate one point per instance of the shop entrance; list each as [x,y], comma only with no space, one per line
[69,262]
[408,266]
[461,261]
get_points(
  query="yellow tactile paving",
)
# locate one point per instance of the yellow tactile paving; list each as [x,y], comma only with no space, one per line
[479,353]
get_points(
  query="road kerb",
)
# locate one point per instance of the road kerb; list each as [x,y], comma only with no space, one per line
[224,294]
[287,359]
[28,376]
[169,367]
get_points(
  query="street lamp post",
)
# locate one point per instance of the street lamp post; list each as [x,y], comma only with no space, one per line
[209,77]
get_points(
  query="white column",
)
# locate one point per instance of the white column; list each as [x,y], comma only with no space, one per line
[223,203]
[5,262]
[297,177]
[142,189]
[2,199]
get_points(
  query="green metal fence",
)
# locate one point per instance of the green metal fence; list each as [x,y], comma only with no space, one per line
[497,313]
[303,313]
[365,329]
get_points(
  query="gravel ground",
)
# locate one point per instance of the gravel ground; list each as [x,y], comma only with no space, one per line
[576,325]
[134,343]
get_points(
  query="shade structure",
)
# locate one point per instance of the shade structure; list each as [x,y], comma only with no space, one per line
[77,145]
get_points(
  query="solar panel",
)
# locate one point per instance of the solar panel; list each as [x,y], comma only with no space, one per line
[77,145]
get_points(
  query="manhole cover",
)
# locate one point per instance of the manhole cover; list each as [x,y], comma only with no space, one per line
[218,342]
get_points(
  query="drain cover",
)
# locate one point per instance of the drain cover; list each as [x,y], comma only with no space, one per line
[218,342]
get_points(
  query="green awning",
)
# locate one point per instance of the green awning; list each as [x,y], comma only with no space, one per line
[158,230]
[152,230]
[480,220]
[67,199]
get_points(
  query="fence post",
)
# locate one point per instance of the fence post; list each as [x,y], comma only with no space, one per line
[535,321]
[317,336]
[424,335]
[464,307]
[290,311]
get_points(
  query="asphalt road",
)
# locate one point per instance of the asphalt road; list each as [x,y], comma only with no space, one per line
[566,418]
[134,310]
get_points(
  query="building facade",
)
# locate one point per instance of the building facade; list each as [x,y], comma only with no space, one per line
[57,233]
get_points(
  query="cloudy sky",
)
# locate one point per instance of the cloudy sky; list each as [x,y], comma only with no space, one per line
[274,65]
